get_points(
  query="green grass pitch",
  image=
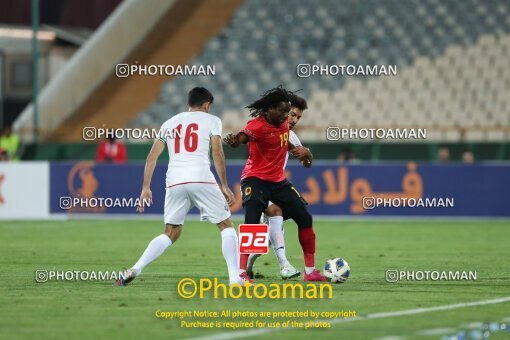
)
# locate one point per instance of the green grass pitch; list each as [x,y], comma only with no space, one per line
[95,309]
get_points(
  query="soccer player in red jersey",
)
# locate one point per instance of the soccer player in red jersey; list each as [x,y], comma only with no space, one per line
[274,216]
[263,179]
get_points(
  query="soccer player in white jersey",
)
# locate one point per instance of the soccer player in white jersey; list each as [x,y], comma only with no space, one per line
[190,182]
[274,216]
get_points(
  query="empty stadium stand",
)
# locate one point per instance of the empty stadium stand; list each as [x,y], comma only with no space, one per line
[452,57]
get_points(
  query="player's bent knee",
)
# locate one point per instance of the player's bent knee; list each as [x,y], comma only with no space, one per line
[173,231]
[224,224]
[274,210]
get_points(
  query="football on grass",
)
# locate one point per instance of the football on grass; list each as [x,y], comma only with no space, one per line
[337,270]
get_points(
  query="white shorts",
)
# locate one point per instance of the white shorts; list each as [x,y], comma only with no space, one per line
[209,200]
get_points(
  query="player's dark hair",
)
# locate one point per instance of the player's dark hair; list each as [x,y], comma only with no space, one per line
[269,99]
[299,102]
[198,96]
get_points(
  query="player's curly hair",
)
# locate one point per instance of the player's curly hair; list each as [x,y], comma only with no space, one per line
[269,99]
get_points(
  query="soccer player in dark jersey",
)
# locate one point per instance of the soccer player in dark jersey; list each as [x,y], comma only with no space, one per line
[263,179]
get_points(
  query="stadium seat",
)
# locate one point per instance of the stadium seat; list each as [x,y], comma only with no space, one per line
[452,59]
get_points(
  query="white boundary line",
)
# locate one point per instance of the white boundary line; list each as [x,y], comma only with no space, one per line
[261,331]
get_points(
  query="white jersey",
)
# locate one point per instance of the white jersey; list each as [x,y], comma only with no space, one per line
[188,139]
[294,140]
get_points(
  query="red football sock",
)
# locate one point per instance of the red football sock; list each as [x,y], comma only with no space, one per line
[243,261]
[307,241]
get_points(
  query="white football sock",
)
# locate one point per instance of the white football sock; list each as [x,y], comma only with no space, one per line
[277,239]
[155,248]
[229,247]
[309,270]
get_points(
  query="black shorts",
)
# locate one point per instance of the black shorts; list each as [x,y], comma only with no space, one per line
[283,194]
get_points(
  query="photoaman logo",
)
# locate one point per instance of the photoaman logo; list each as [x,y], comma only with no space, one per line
[188,288]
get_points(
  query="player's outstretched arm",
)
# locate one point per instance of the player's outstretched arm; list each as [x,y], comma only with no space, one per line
[150,164]
[221,168]
[234,140]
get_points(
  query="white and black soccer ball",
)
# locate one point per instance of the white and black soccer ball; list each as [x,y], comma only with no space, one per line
[337,270]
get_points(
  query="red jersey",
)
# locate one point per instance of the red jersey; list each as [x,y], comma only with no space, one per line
[267,145]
